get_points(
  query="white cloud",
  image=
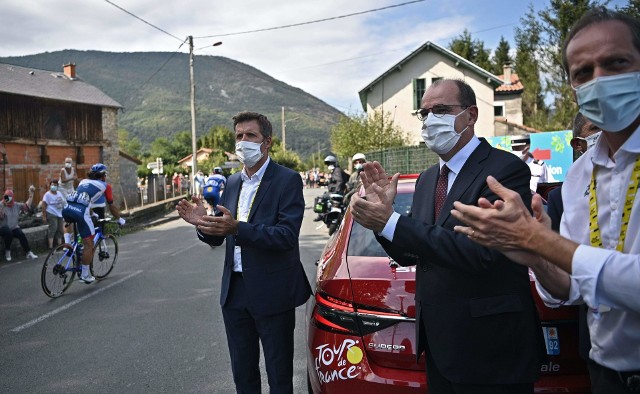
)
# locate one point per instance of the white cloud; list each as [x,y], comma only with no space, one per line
[331,60]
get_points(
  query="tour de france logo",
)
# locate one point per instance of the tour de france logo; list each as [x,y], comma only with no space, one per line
[339,362]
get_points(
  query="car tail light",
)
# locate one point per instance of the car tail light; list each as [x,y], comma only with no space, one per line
[340,316]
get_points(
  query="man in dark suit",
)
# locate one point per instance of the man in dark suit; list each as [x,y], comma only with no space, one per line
[263,281]
[476,320]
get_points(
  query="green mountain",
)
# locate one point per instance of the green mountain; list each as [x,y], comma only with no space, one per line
[154,89]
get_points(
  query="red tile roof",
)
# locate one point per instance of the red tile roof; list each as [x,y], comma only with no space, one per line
[516,85]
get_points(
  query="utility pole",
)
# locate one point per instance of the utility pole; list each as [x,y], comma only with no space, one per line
[284,133]
[194,162]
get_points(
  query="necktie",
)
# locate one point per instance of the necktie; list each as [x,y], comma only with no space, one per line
[441,189]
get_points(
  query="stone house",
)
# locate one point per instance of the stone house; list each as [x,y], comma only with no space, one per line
[46,116]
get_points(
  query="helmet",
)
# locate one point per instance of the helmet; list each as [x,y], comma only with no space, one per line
[217,170]
[330,160]
[359,156]
[98,168]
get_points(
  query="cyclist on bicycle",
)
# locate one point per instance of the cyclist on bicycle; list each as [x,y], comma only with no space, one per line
[215,183]
[78,210]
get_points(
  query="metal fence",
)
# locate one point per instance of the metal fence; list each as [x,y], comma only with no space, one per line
[404,159]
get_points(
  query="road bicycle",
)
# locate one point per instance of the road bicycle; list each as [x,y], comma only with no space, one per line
[64,262]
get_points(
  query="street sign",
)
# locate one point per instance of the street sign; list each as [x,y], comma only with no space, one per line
[156,167]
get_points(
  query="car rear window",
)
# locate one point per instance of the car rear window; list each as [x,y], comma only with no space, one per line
[362,242]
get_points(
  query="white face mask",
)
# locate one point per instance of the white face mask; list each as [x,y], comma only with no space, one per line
[592,139]
[67,165]
[249,153]
[439,134]
[613,102]
[358,166]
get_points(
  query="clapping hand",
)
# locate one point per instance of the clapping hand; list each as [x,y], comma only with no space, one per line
[191,213]
[219,225]
[373,206]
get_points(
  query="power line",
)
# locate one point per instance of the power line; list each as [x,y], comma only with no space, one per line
[142,20]
[155,73]
[388,51]
[311,22]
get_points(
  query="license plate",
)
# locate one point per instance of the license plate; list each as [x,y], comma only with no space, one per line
[551,340]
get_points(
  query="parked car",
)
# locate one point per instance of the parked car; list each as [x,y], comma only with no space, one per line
[360,325]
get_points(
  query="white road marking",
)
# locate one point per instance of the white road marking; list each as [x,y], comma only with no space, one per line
[69,305]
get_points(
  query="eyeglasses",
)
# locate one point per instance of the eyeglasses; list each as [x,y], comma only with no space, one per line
[438,111]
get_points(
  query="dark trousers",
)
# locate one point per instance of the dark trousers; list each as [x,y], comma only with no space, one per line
[8,235]
[608,381]
[438,384]
[244,334]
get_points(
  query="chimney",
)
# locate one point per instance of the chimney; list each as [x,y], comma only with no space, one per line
[507,73]
[70,70]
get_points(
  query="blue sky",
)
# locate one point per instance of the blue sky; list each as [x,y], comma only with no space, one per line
[332,60]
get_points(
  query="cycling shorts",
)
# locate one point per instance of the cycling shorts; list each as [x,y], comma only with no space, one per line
[79,214]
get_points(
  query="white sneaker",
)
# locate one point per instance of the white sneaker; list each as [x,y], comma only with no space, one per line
[7,255]
[32,256]
[87,279]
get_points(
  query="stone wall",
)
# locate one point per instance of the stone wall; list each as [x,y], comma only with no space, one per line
[110,150]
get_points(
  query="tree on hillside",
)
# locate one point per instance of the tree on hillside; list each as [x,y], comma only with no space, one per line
[501,56]
[528,50]
[361,133]
[219,137]
[472,50]
[170,151]
[556,21]
[130,145]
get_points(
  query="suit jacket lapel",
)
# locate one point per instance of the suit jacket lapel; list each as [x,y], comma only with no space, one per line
[464,179]
[265,183]
[233,188]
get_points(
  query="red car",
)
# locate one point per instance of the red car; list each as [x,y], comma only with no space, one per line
[360,326]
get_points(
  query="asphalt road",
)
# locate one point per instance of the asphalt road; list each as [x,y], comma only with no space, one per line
[153,326]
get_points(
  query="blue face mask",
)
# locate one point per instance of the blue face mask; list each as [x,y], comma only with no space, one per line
[54,188]
[613,102]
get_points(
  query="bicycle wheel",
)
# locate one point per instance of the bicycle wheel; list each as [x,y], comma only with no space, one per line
[105,254]
[58,270]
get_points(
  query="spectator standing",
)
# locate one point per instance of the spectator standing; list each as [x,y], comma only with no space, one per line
[539,170]
[9,227]
[198,183]
[466,295]
[176,183]
[263,280]
[596,257]
[68,176]
[52,204]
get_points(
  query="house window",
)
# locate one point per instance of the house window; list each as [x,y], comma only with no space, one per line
[498,110]
[434,80]
[419,86]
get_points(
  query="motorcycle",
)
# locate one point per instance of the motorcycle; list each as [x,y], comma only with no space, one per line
[331,210]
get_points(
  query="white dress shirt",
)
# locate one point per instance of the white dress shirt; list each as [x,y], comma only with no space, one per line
[455,164]
[248,192]
[606,280]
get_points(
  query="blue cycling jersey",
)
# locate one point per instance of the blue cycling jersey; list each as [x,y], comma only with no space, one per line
[216,181]
[88,192]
